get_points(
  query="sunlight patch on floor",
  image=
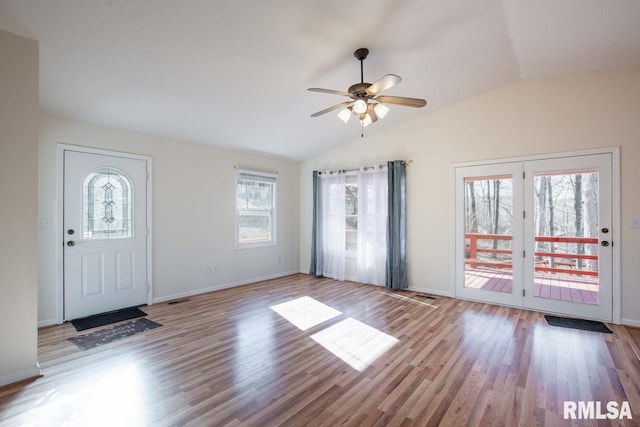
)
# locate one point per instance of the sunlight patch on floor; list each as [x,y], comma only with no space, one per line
[305,312]
[86,402]
[355,343]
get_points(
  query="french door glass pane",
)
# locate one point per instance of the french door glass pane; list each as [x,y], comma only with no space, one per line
[489,232]
[566,236]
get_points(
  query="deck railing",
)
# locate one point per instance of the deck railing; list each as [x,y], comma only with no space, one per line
[540,264]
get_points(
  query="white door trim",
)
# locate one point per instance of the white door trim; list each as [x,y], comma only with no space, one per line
[59,225]
[615,216]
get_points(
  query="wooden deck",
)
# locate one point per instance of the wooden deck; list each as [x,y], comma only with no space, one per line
[547,285]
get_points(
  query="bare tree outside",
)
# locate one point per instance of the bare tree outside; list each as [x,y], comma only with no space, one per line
[565,208]
[568,210]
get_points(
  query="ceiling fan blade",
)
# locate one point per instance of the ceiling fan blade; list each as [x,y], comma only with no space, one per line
[401,100]
[335,92]
[372,113]
[333,107]
[383,84]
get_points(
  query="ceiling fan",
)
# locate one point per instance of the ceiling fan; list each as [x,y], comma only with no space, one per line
[366,102]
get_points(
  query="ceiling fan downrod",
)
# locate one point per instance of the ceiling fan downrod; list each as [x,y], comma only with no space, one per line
[361,55]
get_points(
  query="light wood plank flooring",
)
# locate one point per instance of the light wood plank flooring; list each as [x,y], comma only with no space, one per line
[360,355]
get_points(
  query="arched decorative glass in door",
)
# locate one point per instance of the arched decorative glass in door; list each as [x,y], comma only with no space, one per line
[107,205]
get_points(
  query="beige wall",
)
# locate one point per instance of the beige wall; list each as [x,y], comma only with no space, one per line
[18,221]
[528,117]
[193,211]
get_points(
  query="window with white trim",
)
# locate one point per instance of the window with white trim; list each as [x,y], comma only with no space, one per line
[255,209]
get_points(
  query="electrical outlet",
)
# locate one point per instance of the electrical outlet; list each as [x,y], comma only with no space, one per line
[635,222]
[212,269]
[43,223]
[424,271]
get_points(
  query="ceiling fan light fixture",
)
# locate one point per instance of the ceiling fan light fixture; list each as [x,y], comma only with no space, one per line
[360,106]
[345,114]
[381,110]
[365,99]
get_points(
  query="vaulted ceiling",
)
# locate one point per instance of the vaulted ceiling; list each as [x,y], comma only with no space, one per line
[234,73]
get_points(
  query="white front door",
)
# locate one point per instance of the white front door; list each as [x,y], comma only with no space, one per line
[105,233]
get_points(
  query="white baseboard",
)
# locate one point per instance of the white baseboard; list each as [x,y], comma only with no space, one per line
[48,322]
[22,374]
[431,291]
[630,322]
[222,286]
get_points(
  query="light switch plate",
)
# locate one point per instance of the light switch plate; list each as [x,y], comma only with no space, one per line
[635,222]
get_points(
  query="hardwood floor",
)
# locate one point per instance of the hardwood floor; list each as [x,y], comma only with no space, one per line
[359,355]
[635,336]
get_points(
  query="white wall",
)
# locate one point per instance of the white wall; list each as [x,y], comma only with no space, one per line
[18,222]
[193,210]
[523,118]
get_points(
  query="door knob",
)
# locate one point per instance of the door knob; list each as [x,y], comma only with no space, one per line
[71,243]
[604,243]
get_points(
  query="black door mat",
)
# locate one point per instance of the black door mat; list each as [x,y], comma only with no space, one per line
[108,335]
[585,325]
[107,318]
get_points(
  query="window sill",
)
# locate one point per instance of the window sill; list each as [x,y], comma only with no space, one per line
[240,246]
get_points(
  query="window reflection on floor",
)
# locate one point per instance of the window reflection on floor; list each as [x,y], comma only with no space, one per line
[305,312]
[352,341]
[355,343]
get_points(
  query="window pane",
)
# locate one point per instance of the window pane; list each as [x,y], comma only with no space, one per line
[351,240]
[566,236]
[255,194]
[489,233]
[351,199]
[351,223]
[107,205]
[254,226]
[255,210]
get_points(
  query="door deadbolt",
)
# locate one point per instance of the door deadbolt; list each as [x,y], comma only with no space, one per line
[604,243]
[605,230]
[71,243]
[70,231]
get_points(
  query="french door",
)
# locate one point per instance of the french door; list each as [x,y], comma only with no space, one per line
[537,234]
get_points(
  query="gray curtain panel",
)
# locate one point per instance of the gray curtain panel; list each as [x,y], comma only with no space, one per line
[316,255]
[396,274]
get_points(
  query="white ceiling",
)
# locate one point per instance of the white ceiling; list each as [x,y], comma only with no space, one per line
[234,73]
